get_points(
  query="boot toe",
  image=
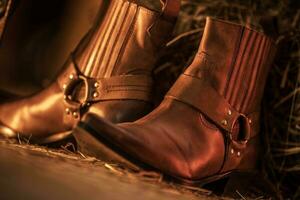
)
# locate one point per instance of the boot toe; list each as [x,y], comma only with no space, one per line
[131,144]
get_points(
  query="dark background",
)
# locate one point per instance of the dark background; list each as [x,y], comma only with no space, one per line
[38,38]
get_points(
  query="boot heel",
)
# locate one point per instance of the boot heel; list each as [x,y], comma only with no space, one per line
[89,144]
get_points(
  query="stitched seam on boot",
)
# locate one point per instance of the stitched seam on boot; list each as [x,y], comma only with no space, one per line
[125,18]
[234,56]
[88,67]
[127,39]
[261,65]
[130,34]
[107,38]
[268,62]
[254,66]
[233,97]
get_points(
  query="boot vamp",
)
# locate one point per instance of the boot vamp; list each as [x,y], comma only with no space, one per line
[38,116]
[118,111]
[174,138]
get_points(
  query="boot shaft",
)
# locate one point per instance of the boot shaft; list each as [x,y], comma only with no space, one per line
[115,60]
[236,61]
[126,42]
[227,78]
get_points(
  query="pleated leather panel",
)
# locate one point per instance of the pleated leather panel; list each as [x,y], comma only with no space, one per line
[236,61]
[123,43]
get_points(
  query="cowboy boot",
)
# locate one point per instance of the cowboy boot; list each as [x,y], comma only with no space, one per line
[109,74]
[207,126]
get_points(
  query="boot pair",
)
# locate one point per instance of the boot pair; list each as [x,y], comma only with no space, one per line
[207,126]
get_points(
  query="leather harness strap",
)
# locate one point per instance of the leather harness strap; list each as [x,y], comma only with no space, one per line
[135,87]
[81,91]
[123,87]
[198,93]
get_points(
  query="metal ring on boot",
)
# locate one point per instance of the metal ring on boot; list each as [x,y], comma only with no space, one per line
[244,133]
[70,90]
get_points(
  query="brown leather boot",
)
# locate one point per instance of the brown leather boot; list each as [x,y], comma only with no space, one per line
[109,74]
[207,127]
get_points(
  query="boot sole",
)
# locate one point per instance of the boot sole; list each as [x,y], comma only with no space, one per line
[7,133]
